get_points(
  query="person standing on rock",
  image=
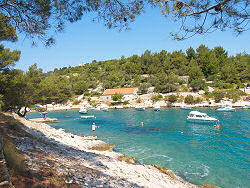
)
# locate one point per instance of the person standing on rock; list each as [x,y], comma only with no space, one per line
[93,128]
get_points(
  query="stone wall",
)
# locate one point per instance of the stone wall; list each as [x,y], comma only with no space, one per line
[4,174]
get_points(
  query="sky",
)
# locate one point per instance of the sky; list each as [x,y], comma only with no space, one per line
[86,41]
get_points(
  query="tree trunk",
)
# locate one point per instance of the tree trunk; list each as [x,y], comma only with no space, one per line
[25,111]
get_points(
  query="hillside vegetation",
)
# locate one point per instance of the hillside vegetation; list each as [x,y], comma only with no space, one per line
[163,71]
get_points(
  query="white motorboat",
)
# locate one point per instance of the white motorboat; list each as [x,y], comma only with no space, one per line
[157,108]
[105,109]
[88,117]
[83,110]
[186,107]
[198,117]
[225,109]
[140,108]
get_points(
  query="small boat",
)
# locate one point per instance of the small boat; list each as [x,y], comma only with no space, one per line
[83,110]
[225,109]
[105,109]
[140,108]
[186,107]
[88,117]
[157,108]
[198,117]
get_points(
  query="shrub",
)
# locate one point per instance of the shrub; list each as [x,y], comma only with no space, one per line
[222,85]
[184,88]
[96,94]
[125,102]
[75,102]
[172,98]
[189,99]
[218,96]
[240,86]
[228,86]
[89,99]
[234,94]
[180,99]
[138,100]
[156,98]
[117,97]
[143,89]
[197,84]
[198,100]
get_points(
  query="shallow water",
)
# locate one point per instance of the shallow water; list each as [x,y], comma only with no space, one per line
[199,153]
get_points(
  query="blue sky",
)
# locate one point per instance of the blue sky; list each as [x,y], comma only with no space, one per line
[86,41]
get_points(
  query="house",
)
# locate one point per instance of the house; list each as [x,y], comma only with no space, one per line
[128,93]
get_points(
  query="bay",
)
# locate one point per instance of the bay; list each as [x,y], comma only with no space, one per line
[199,153]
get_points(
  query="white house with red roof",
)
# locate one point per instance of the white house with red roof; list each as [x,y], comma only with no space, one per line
[128,93]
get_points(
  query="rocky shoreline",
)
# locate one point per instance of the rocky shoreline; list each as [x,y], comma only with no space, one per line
[87,162]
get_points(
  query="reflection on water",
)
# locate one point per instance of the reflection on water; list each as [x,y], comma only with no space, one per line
[200,153]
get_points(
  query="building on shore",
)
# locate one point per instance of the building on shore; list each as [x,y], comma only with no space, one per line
[128,93]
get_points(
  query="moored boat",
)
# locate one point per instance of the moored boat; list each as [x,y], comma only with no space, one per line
[157,108]
[140,108]
[105,109]
[225,109]
[83,110]
[198,117]
[186,107]
[88,117]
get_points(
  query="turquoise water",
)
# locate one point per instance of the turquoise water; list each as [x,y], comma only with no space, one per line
[199,153]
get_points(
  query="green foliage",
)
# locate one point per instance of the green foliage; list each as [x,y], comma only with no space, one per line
[7,33]
[234,94]
[198,100]
[76,102]
[117,97]
[218,95]
[167,83]
[219,84]
[41,19]
[138,100]
[183,88]
[195,76]
[156,98]
[143,88]
[126,102]
[189,99]
[162,69]
[89,99]
[8,58]
[172,98]
[197,84]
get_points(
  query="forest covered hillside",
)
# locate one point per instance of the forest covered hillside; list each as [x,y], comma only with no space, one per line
[163,71]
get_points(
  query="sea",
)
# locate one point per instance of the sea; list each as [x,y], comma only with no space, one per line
[198,153]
